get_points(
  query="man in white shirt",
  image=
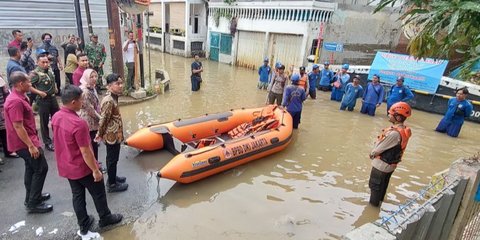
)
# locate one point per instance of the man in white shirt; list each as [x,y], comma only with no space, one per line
[129,49]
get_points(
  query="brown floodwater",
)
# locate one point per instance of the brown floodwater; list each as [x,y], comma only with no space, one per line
[317,188]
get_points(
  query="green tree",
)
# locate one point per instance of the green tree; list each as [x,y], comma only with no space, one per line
[445,27]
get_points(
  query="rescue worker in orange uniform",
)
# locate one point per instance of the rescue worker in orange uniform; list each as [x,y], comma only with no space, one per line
[388,151]
[303,82]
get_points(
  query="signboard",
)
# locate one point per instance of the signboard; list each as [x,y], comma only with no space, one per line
[333,47]
[420,74]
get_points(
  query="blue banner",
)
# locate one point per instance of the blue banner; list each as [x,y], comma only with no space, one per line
[333,47]
[420,74]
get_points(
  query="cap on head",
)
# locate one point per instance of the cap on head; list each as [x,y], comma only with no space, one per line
[357,77]
[401,78]
[94,35]
[376,75]
[295,78]
[278,65]
[345,66]
[401,108]
[315,66]
[41,51]
[265,60]
[326,63]
[302,68]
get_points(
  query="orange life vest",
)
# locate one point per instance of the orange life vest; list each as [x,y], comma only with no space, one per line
[303,81]
[394,154]
[264,125]
[205,142]
[249,128]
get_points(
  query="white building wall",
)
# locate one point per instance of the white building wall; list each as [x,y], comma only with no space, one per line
[284,24]
[267,27]
[180,15]
[156,19]
[177,15]
[350,22]
[200,11]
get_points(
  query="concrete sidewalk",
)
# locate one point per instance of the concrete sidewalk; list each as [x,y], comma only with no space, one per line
[61,223]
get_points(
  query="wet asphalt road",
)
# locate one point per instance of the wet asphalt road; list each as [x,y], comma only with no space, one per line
[61,222]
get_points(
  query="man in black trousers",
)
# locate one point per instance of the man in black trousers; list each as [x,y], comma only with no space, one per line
[76,162]
[23,139]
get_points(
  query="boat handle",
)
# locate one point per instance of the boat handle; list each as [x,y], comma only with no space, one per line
[274,140]
[213,160]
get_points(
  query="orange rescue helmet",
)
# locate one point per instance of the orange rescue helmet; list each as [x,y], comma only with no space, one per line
[401,108]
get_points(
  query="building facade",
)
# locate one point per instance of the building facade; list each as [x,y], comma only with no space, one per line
[244,33]
[178,27]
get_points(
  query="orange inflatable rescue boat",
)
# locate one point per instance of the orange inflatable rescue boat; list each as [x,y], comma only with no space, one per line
[213,143]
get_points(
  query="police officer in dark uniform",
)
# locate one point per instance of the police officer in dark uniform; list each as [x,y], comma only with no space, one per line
[43,80]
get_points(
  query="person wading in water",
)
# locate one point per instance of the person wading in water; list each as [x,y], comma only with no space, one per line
[388,151]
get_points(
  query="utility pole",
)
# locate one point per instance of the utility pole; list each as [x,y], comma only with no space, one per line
[148,13]
[319,43]
[89,18]
[140,46]
[78,15]
[115,36]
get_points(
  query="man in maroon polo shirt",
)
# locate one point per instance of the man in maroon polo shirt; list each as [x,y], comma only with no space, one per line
[82,61]
[17,39]
[76,162]
[23,139]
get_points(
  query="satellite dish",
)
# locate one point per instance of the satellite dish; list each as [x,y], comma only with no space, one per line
[133,6]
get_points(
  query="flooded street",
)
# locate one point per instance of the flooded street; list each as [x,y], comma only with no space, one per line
[317,188]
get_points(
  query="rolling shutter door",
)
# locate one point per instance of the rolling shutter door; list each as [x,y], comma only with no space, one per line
[250,49]
[285,48]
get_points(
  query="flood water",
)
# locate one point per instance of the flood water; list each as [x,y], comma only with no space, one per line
[317,188]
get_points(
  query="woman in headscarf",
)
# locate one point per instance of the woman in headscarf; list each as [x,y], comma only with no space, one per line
[90,111]
[71,62]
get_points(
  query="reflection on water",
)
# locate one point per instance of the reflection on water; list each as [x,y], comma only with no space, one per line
[316,188]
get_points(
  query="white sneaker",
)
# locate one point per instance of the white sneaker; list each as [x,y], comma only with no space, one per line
[89,235]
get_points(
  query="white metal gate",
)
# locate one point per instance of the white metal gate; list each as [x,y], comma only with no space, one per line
[285,48]
[250,49]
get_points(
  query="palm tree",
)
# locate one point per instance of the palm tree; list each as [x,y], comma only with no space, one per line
[444,28]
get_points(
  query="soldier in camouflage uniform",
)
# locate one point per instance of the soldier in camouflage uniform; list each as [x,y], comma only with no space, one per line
[96,54]
[55,60]
[43,80]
